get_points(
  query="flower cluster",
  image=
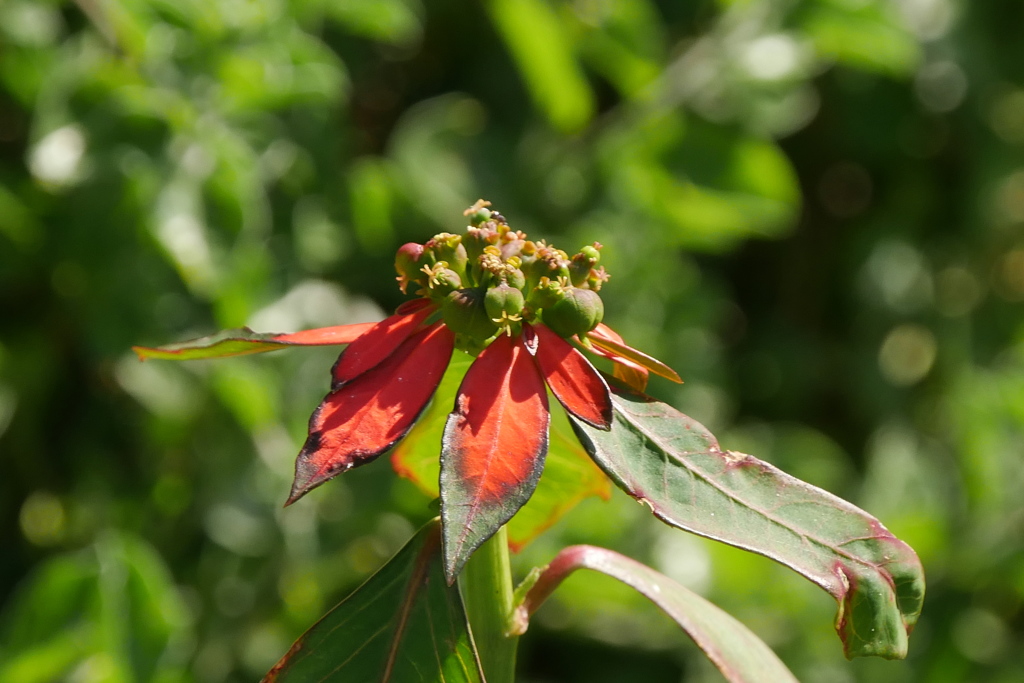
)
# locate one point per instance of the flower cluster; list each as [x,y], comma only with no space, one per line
[524,309]
[493,279]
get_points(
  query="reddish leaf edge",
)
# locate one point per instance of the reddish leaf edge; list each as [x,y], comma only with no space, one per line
[242,341]
[907,589]
[543,581]
[247,342]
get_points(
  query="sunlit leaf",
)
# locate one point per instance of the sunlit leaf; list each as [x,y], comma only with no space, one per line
[673,465]
[389,21]
[243,341]
[865,36]
[403,625]
[540,46]
[740,655]
[372,347]
[569,477]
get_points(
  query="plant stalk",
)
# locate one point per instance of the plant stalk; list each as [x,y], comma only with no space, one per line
[487,592]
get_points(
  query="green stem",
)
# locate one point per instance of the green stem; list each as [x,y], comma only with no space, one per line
[487,591]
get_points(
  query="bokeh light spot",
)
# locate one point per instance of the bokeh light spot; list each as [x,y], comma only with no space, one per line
[42,519]
[907,354]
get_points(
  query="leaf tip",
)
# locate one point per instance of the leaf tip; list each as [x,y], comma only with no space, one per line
[452,567]
[294,496]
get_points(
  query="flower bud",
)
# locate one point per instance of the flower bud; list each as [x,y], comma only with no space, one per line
[579,311]
[448,247]
[598,276]
[548,262]
[464,313]
[477,239]
[408,261]
[581,265]
[478,213]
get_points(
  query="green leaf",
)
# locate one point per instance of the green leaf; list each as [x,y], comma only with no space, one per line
[740,655]
[569,474]
[388,21]
[114,602]
[539,43]
[708,185]
[243,341]
[235,342]
[403,625]
[672,464]
[866,37]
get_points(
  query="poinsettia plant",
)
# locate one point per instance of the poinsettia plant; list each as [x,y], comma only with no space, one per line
[456,384]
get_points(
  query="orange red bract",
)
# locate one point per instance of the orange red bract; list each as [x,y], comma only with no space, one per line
[504,288]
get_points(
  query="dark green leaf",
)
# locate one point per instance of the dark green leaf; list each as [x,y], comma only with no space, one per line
[672,464]
[404,625]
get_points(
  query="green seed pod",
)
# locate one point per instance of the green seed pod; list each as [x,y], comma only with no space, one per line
[504,302]
[548,263]
[448,247]
[579,311]
[464,313]
[546,294]
[442,281]
[514,277]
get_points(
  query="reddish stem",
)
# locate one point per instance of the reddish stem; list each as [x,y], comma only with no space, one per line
[565,563]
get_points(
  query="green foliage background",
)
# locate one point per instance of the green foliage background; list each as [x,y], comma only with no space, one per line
[812,209]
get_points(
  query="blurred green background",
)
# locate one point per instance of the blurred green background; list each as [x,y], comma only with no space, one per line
[812,209]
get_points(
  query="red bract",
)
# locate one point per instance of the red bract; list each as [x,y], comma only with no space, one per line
[499,297]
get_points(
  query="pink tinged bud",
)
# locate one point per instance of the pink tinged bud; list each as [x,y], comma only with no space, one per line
[598,276]
[580,311]
[408,261]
